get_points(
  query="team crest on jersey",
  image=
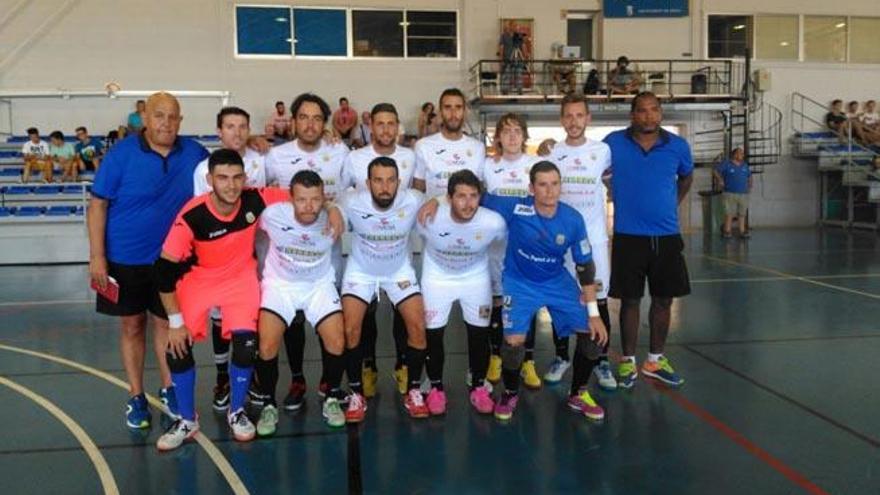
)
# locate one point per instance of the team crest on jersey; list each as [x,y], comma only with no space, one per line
[524,210]
[404,165]
[507,301]
[485,311]
[325,157]
[478,236]
[560,239]
[469,153]
[401,214]
[404,284]
[311,163]
[593,156]
[250,217]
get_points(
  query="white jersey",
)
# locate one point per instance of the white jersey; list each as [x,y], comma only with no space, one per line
[380,237]
[354,170]
[284,161]
[456,250]
[437,158]
[39,150]
[297,253]
[582,187]
[508,178]
[254,167]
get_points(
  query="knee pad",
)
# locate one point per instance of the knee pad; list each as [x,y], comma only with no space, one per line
[244,349]
[587,348]
[512,356]
[181,365]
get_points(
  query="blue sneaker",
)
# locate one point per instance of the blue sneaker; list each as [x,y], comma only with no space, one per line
[628,373]
[137,414]
[169,402]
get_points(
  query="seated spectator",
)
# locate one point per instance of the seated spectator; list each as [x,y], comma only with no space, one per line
[89,150]
[859,131]
[111,139]
[361,135]
[344,120]
[136,118]
[562,71]
[64,156]
[36,156]
[429,121]
[622,80]
[870,119]
[278,127]
[735,179]
[837,121]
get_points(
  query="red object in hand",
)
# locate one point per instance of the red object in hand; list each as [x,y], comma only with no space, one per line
[110,292]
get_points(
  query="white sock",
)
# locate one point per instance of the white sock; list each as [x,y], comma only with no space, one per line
[631,359]
[653,358]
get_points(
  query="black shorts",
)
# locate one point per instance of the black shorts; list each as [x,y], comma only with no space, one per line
[137,292]
[659,259]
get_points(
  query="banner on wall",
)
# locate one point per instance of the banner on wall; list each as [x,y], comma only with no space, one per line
[645,8]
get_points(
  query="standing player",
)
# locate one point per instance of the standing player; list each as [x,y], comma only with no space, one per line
[384,127]
[455,267]
[381,219]
[308,151]
[299,276]
[233,128]
[218,230]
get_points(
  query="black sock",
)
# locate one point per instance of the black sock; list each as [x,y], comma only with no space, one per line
[267,377]
[334,367]
[354,368]
[221,351]
[436,356]
[400,345]
[561,344]
[511,380]
[583,365]
[606,319]
[415,361]
[478,353]
[530,339]
[295,344]
[369,335]
[496,331]
[324,355]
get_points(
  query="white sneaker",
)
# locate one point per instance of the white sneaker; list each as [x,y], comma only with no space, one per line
[268,421]
[557,368]
[242,428]
[179,431]
[333,413]
[605,376]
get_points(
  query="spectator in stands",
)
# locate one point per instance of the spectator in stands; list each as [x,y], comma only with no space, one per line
[622,80]
[278,127]
[362,135]
[35,152]
[870,119]
[63,155]
[136,118]
[859,131]
[111,139]
[836,120]
[344,120]
[735,179]
[89,150]
[429,121]
[866,121]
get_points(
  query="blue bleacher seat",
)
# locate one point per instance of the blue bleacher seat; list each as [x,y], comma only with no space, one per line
[19,189]
[7,211]
[47,190]
[72,189]
[79,211]
[29,211]
[818,135]
[17,139]
[60,211]
[10,154]
[11,171]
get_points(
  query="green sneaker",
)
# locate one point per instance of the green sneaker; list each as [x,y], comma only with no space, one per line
[268,421]
[627,373]
[333,413]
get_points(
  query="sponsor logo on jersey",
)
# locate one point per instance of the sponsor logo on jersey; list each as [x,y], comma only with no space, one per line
[524,210]
[443,234]
[296,160]
[216,233]
[440,151]
[286,228]
[366,216]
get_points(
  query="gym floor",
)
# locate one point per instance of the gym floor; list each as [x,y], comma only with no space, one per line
[778,345]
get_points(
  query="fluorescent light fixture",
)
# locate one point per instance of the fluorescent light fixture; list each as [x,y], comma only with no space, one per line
[784,43]
[840,25]
[281,19]
[739,26]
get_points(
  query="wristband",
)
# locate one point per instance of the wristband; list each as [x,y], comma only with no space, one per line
[175,320]
[593,309]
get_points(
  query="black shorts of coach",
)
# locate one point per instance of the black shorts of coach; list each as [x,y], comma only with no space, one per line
[658,259]
[137,292]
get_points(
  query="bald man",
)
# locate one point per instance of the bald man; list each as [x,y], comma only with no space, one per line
[143,182]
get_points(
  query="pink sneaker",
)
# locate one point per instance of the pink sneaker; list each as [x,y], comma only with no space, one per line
[437,402]
[584,404]
[481,400]
[505,406]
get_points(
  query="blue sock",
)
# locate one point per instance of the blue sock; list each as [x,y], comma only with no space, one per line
[185,390]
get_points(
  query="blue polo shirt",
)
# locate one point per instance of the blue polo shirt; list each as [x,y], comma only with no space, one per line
[644,184]
[145,192]
[736,177]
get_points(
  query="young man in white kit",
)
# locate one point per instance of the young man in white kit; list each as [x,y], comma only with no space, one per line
[381,219]
[308,151]
[298,276]
[384,129]
[234,130]
[582,163]
[455,267]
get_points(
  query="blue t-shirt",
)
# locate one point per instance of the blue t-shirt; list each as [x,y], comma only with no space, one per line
[644,184]
[536,245]
[134,121]
[88,151]
[736,177]
[145,192]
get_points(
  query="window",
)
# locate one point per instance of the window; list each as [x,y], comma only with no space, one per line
[377,33]
[431,34]
[776,37]
[824,39]
[864,35]
[729,35]
[262,30]
[320,32]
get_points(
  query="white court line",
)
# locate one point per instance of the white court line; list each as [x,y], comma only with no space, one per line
[104,472]
[778,278]
[45,303]
[213,452]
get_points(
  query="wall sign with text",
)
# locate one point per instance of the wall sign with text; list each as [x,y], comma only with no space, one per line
[645,8]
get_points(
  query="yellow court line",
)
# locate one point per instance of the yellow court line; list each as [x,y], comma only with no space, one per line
[104,472]
[213,452]
[794,277]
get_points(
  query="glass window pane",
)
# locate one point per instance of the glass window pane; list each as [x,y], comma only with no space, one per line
[864,40]
[377,33]
[729,35]
[431,34]
[263,30]
[776,37]
[320,32]
[825,38]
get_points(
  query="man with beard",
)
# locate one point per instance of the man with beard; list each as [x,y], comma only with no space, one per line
[384,125]
[381,219]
